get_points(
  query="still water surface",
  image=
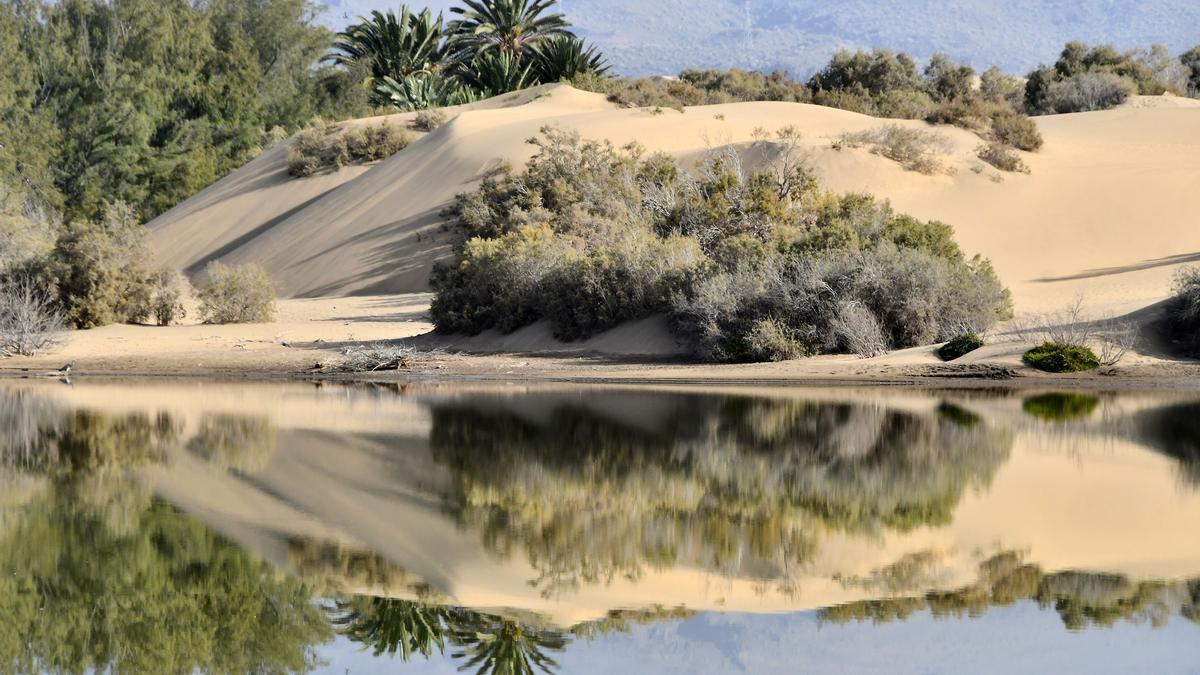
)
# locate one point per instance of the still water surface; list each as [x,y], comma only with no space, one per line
[180,527]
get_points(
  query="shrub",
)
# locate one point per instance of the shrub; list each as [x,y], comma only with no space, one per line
[1001,157]
[428,120]
[960,346]
[1057,357]
[29,320]
[100,272]
[242,294]
[1016,130]
[1089,91]
[166,304]
[1183,309]
[746,266]
[858,328]
[914,149]
[773,340]
[329,147]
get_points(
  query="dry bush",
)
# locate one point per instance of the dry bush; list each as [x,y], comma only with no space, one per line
[914,149]
[329,147]
[1089,91]
[1113,338]
[242,294]
[1116,339]
[773,340]
[860,330]
[375,357]
[429,119]
[1016,130]
[1002,157]
[29,320]
[170,289]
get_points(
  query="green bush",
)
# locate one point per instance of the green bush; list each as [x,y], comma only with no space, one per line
[745,267]
[242,294]
[1001,157]
[959,346]
[329,147]
[1054,357]
[430,119]
[1183,310]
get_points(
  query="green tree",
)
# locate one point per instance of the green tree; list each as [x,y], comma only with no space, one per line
[514,27]
[1191,61]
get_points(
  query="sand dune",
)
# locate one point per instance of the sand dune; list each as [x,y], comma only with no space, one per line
[1105,213]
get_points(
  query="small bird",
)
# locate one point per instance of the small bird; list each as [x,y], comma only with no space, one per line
[66,370]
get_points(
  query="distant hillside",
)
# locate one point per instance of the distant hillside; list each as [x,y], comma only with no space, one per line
[665,36]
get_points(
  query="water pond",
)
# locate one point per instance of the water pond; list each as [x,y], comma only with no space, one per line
[187,526]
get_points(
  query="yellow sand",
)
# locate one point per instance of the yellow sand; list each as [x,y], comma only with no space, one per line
[1108,210]
[1108,213]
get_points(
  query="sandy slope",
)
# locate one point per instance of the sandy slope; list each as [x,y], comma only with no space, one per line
[1106,211]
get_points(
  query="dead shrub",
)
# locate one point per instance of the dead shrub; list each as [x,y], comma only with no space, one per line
[30,322]
[914,149]
[861,332]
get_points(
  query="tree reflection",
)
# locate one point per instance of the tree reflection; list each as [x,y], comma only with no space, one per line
[100,576]
[1081,599]
[735,485]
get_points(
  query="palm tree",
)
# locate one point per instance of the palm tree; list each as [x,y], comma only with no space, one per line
[421,92]
[496,73]
[565,57]
[392,46]
[508,26]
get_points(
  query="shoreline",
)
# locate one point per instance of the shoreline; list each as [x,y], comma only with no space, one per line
[452,369]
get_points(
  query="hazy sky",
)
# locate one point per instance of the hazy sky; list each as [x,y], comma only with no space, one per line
[663,36]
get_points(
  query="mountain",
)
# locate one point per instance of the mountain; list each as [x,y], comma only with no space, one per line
[665,36]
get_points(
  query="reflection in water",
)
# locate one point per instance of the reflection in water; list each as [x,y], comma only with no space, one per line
[1060,407]
[238,442]
[99,573]
[1081,599]
[1175,431]
[736,485]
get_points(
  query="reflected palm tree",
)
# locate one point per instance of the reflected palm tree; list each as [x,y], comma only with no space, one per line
[392,626]
[487,644]
[493,645]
